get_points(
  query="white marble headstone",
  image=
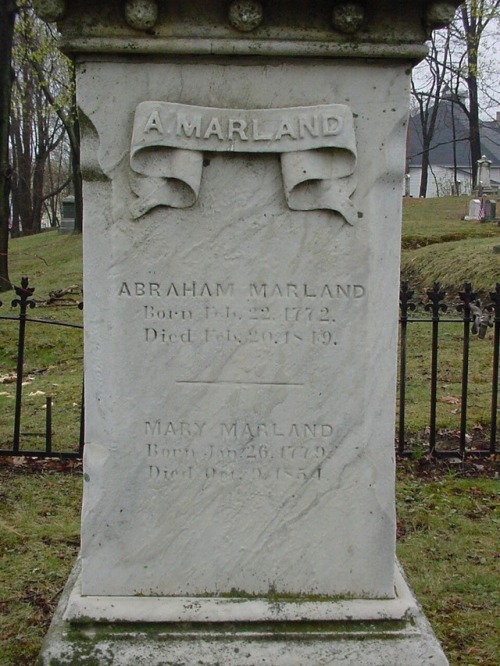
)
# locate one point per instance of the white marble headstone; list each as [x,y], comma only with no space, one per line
[240,340]
[474,209]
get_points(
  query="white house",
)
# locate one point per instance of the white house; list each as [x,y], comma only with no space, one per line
[449,153]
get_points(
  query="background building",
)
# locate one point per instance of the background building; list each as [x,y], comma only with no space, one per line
[449,151]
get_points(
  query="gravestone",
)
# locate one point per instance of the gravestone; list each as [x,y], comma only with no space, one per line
[490,210]
[484,173]
[456,188]
[242,206]
[474,210]
[67,225]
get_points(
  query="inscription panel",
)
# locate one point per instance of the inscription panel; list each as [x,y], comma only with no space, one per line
[263,451]
[259,313]
[207,316]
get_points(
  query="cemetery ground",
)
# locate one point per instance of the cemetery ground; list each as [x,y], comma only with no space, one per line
[447,513]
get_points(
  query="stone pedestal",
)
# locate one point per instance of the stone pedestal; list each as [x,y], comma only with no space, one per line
[236,631]
[243,177]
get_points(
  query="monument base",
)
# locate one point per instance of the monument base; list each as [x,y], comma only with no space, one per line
[180,631]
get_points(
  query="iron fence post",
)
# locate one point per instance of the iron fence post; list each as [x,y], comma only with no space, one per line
[24,293]
[81,440]
[435,306]
[466,296]
[405,304]
[495,297]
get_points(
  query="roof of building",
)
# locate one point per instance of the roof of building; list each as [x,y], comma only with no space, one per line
[450,143]
[490,140]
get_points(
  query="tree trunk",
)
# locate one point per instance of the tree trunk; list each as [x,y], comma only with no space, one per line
[44,145]
[428,106]
[475,139]
[22,176]
[74,136]
[8,10]
[424,177]
[38,198]
[476,15]
[70,121]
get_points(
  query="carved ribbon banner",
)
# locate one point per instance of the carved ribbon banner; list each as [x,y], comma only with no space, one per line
[316,144]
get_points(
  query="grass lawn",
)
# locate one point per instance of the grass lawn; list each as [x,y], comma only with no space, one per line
[448,546]
[39,541]
[447,525]
[439,245]
[430,221]
[453,263]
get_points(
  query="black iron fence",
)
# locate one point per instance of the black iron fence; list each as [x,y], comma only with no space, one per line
[12,446]
[476,319]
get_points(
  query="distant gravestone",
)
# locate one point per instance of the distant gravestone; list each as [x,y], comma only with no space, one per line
[490,209]
[407,185]
[474,210]
[484,173]
[243,172]
[67,225]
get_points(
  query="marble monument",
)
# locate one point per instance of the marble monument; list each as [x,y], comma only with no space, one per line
[242,168]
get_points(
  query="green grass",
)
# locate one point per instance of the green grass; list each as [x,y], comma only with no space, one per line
[454,263]
[39,540]
[438,245]
[50,260]
[54,355]
[449,550]
[430,221]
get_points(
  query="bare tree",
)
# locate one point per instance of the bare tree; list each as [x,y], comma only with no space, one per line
[66,110]
[458,63]
[473,19]
[40,94]
[427,94]
[8,9]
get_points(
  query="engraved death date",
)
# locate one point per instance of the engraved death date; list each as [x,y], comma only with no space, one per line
[184,451]
[224,313]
